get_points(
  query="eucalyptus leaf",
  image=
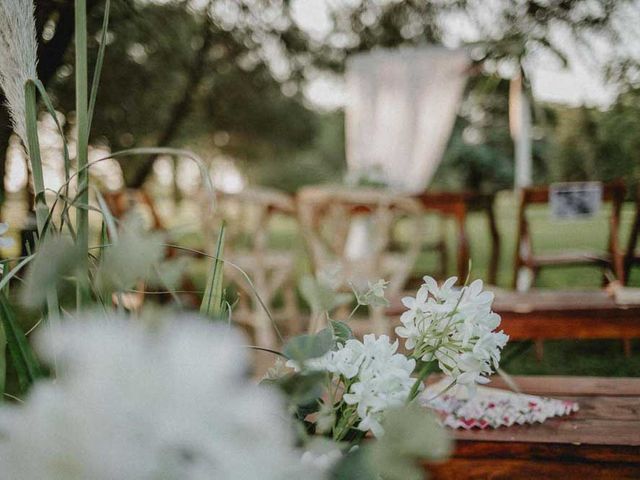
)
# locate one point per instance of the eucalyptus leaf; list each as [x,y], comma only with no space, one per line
[355,465]
[411,435]
[301,389]
[305,347]
[56,259]
[341,331]
[129,259]
[321,297]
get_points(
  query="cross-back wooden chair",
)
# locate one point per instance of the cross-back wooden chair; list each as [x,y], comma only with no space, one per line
[525,257]
[632,257]
[249,216]
[332,218]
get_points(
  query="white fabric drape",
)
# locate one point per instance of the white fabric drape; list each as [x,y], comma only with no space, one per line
[401,107]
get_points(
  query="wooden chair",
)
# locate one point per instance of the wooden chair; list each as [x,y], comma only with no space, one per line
[632,257]
[332,217]
[612,258]
[457,205]
[249,217]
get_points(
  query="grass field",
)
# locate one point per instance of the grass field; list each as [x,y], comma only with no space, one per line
[561,357]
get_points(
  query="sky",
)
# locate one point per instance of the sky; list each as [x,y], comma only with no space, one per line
[580,84]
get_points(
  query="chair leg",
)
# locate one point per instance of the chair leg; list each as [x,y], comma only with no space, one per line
[539,346]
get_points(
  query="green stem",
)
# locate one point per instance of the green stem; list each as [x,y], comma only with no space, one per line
[422,375]
[82,214]
[33,146]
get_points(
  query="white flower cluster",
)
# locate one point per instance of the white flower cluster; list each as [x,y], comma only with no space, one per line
[170,402]
[377,377]
[456,328]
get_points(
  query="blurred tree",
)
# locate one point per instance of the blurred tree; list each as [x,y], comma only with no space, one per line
[174,73]
[321,162]
[502,36]
[232,70]
[589,144]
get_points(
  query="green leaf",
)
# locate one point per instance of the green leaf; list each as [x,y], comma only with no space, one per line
[130,258]
[411,435]
[213,300]
[305,347]
[321,297]
[99,61]
[22,356]
[341,331]
[355,465]
[33,147]
[3,361]
[55,261]
[302,389]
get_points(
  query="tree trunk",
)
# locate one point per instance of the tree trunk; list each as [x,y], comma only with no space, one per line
[181,109]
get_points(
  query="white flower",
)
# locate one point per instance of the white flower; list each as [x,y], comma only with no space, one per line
[455,327]
[132,402]
[380,377]
[5,241]
[374,295]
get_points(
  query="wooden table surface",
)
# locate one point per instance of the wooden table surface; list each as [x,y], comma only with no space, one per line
[601,440]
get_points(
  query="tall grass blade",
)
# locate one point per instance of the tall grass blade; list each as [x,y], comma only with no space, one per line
[213,301]
[33,146]
[22,356]
[99,61]
[82,155]
[52,111]
[3,361]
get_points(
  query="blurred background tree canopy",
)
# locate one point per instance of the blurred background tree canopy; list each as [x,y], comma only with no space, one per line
[230,77]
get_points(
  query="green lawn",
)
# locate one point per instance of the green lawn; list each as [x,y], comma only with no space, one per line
[561,357]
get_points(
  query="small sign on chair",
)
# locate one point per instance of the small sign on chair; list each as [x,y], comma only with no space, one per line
[575,200]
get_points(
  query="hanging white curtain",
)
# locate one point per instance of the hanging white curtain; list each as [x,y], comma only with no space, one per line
[401,107]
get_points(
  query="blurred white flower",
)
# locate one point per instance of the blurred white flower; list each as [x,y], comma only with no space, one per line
[322,460]
[456,328]
[132,402]
[5,241]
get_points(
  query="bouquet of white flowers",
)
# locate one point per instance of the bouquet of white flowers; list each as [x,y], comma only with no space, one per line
[446,328]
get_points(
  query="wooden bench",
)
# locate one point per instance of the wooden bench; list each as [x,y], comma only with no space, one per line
[547,315]
[601,440]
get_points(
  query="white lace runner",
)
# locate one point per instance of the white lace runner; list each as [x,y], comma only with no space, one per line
[491,407]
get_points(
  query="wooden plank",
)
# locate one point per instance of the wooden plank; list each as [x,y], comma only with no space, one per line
[530,469]
[565,430]
[556,325]
[543,300]
[528,451]
[572,386]
[601,440]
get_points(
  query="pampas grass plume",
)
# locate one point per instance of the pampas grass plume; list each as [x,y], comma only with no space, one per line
[18,57]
